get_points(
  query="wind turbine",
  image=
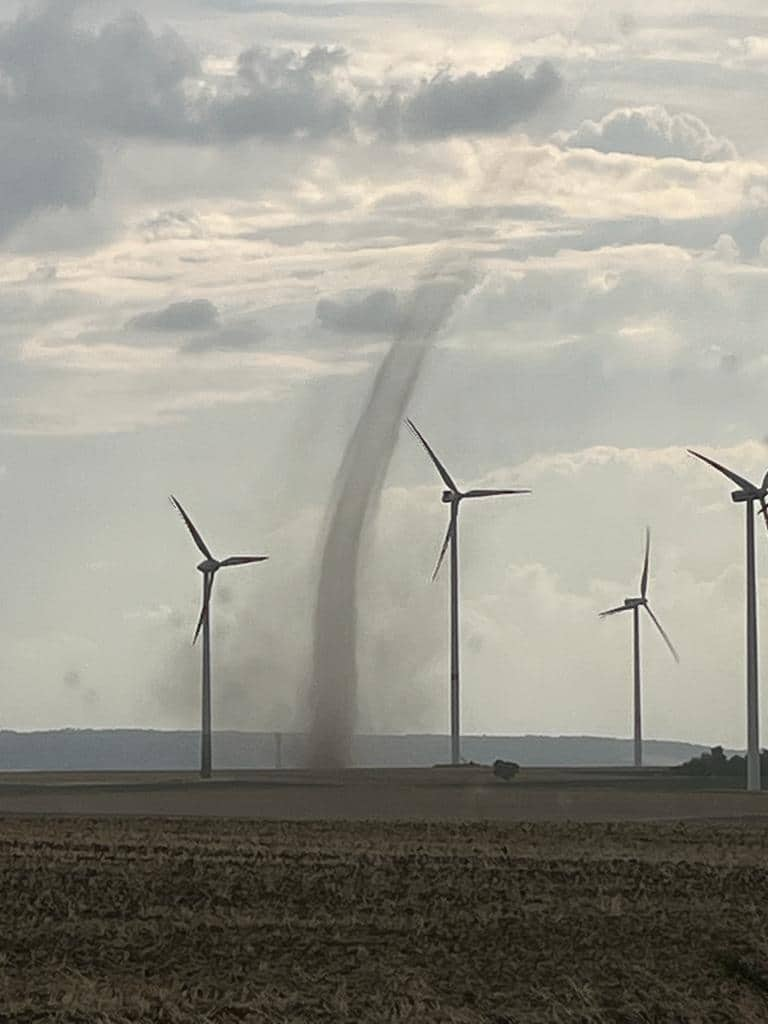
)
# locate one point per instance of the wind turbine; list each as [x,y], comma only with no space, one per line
[635,604]
[453,496]
[748,493]
[208,567]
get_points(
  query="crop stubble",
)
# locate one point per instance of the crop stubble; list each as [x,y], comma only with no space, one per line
[238,920]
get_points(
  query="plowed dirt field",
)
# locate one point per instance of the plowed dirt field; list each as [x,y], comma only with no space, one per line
[189,919]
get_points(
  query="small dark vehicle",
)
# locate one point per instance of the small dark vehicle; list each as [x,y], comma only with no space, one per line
[505,769]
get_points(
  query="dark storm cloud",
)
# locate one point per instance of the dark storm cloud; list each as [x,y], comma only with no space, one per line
[468,104]
[191,315]
[42,166]
[379,312]
[123,79]
[280,94]
[68,89]
[126,80]
[60,88]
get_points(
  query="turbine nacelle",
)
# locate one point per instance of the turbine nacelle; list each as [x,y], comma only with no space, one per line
[452,495]
[210,565]
[744,495]
[630,603]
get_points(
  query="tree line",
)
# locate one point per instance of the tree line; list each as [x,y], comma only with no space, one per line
[715,763]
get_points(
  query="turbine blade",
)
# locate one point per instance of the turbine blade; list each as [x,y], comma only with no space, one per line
[614,611]
[207,588]
[443,549]
[644,579]
[438,464]
[244,559]
[191,527]
[740,480]
[491,494]
[763,510]
[660,628]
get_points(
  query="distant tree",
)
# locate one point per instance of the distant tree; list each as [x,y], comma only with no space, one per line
[505,769]
[716,764]
[719,761]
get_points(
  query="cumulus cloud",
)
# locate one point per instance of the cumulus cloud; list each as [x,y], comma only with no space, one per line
[651,131]
[126,80]
[189,315]
[643,342]
[379,312]
[61,88]
[281,94]
[467,104]
[726,249]
[122,79]
[68,90]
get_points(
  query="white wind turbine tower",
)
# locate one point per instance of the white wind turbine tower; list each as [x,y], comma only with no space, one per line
[208,567]
[453,496]
[749,493]
[634,604]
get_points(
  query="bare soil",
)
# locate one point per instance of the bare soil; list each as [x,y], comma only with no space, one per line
[116,919]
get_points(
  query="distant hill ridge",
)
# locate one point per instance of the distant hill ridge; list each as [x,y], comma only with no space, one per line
[177,750]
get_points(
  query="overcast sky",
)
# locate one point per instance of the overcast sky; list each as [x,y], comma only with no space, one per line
[213,213]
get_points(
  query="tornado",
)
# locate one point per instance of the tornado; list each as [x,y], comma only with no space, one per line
[356,491]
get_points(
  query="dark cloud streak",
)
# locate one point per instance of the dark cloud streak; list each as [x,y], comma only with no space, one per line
[190,315]
[469,104]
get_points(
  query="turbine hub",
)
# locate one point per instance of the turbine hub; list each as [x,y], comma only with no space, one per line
[449,496]
[208,565]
